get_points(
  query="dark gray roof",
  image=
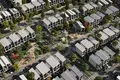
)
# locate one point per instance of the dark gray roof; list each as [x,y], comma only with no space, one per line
[100,14]
[95,16]
[109,12]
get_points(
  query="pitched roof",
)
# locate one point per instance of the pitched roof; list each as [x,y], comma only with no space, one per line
[52,61]
[100,14]
[7,13]
[95,16]
[93,40]
[30,30]
[36,74]
[14,37]
[80,47]
[1,63]
[105,2]
[113,8]
[114,29]
[43,68]
[87,43]
[22,77]
[103,36]
[108,11]
[102,55]
[23,33]
[57,78]
[5,42]
[76,10]
[89,19]
[47,22]
[5,60]
[88,6]
[93,4]
[60,57]
[36,3]
[108,32]
[52,19]
[58,17]
[23,7]
[109,51]
[95,58]
[76,71]
[29,5]
[79,24]
[41,1]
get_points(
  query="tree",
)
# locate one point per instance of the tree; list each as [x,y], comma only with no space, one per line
[55,8]
[74,57]
[45,49]
[117,59]
[85,67]
[59,47]
[24,1]
[67,2]
[16,67]
[114,43]
[66,26]
[30,76]
[88,29]
[1,50]
[98,78]
[42,15]
[5,24]
[12,25]
[26,15]
[38,29]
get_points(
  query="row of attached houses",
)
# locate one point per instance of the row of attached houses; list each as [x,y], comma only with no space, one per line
[4,63]
[38,5]
[86,45]
[97,17]
[58,19]
[17,38]
[108,34]
[89,44]
[9,14]
[50,66]
[101,57]
[73,73]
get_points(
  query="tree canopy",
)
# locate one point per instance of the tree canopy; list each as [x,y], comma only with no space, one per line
[30,76]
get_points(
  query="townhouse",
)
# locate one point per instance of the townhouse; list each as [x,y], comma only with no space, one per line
[73,73]
[47,24]
[109,12]
[100,14]
[54,21]
[109,51]
[60,19]
[104,2]
[60,58]
[96,18]
[1,18]
[30,7]
[78,27]
[100,5]
[88,7]
[80,49]
[6,43]
[65,16]
[38,5]
[84,10]
[14,12]
[43,70]
[6,62]
[5,16]
[36,77]
[17,38]
[16,2]
[55,2]
[103,38]
[88,45]
[94,41]
[9,16]
[54,66]
[114,9]
[94,5]
[24,9]
[110,33]
[95,61]
[22,77]
[90,21]
[42,4]
[77,12]
[117,31]
[103,56]
[72,15]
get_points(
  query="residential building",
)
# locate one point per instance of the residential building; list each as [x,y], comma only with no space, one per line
[53,63]
[31,32]
[95,61]
[58,78]
[22,77]
[1,18]
[103,56]
[90,21]
[24,9]
[16,40]
[6,43]
[47,24]
[109,51]
[117,31]
[88,7]
[54,21]
[96,18]
[109,12]
[104,2]
[36,77]
[110,33]
[94,5]
[60,19]
[43,4]
[24,35]
[114,9]
[94,41]
[77,12]
[16,2]
[14,12]
[38,5]
[103,38]
[5,60]
[3,67]
[5,16]
[65,16]
[72,15]
[84,10]
[77,72]
[78,27]
[80,49]
[44,70]
[88,45]
[30,7]
[100,14]
[55,2]
[9,16]
[60,58]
